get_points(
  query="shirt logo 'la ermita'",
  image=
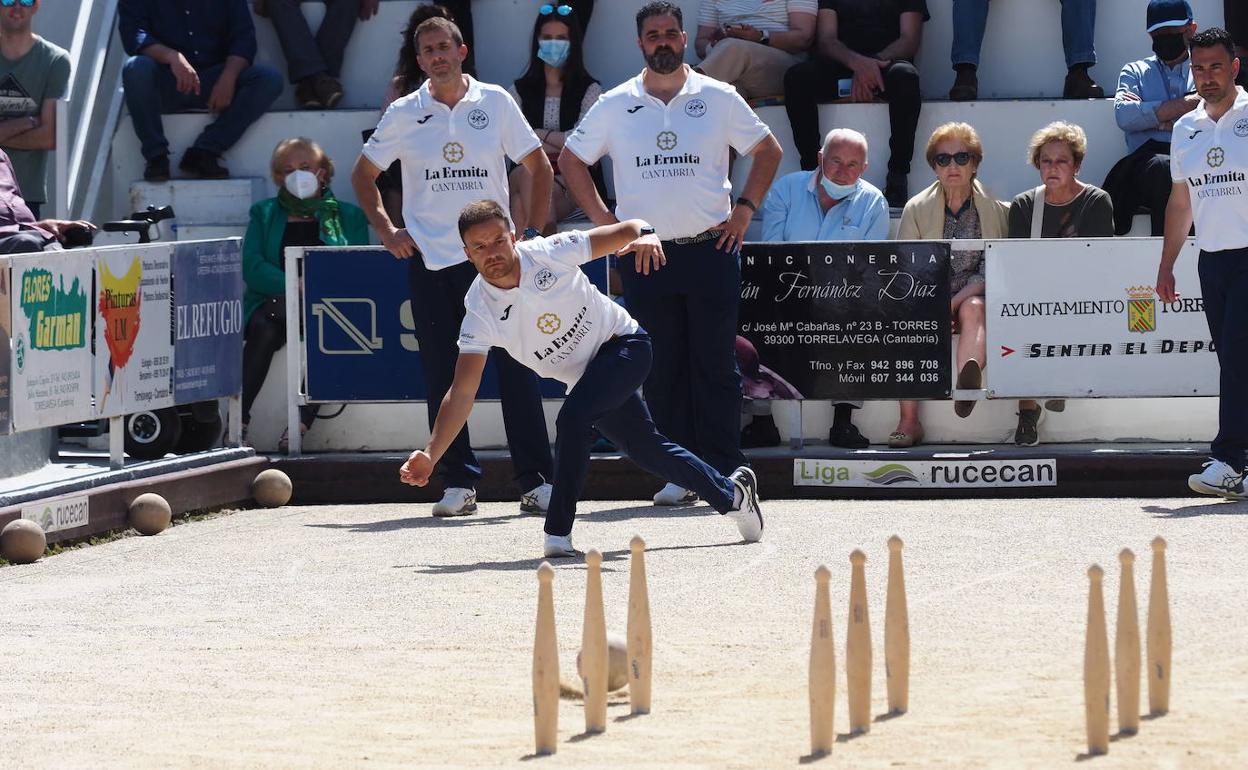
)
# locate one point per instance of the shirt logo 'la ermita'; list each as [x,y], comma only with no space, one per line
[471,176]
[667,141]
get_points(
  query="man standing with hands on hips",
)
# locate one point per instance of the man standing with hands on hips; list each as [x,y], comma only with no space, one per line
[668,132]
[1209,165]
[453,136]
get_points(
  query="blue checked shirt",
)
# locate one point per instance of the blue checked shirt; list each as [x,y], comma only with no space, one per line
[791,212]
[1153,83]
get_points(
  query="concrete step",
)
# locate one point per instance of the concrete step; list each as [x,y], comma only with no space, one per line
[198,202]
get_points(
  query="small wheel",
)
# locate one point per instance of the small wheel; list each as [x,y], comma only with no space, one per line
[152,434]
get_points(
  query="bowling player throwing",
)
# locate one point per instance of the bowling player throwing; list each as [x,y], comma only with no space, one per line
[531,299]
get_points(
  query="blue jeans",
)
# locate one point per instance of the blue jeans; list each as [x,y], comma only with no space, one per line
[1078,27]
[1224,287]
[607,398]
[151,91]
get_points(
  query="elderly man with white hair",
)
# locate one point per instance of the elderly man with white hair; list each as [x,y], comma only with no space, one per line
[831,203]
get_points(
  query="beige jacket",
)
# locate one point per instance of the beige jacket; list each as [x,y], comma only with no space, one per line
[923,218]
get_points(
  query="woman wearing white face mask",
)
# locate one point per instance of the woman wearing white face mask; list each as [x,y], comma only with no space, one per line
[553,94]
[304,213]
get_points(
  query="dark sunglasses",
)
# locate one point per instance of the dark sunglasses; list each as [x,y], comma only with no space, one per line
[961,158]
[23,3]
[545,10]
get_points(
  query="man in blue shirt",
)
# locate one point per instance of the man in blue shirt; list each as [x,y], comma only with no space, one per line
[1152,94]
[192,54]
[831,203]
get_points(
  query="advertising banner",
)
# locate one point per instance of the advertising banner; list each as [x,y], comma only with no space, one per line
[6,334]
[59,515]
[208,320]
[51,369]
[359,337]
[848,321]
[133,335]
[1079,318]
[924,474]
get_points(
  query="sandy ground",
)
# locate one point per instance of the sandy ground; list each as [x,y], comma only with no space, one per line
[375,636]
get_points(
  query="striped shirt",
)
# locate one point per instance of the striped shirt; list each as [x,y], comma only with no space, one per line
[766,15]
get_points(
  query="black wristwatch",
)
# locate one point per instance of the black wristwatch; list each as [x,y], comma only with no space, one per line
[531,233]
[765,39]
[647,230]
[744,201]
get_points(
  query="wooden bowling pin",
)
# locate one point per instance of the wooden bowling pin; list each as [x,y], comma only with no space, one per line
[1158,633]
[1127,648]
[594,647]
[897,632]
[639,641]
[858,648]
[545,666]
[822,669]
[1096,667]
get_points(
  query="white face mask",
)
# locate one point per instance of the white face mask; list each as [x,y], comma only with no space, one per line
[302,184]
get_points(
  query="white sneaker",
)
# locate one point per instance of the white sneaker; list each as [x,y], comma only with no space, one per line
[1220,479]
[675,495]
[559,546]
[456,501]
[749,517]
[536,500]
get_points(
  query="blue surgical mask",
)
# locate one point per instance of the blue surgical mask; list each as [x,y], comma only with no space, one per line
[839,191]
[554,52]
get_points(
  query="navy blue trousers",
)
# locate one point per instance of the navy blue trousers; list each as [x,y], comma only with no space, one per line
[690,309]
[1224,285]
[607,398]
[437,312]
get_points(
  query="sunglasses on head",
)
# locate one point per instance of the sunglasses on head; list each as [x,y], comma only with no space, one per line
[961,158]
[545,10]
[23,3]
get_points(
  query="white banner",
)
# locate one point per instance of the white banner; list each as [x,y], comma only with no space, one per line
[1079,318]
[133,338]
[58,515]
[6,334]
[51,355]
[924,474]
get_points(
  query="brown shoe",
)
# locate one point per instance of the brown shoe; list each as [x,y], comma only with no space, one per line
[965,86]
[1080,85]
[328,91]
[970,378]
[306,95]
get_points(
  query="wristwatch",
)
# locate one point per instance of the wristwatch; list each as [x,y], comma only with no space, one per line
[765,39]
[744,201]
[647,230]
[531,233]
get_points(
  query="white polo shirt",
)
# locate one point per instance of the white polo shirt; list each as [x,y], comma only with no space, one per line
[670,161]
[555,320]
[451,157]
[1213,159]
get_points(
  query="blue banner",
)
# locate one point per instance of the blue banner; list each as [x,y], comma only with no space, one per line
[359,338]
[208,320]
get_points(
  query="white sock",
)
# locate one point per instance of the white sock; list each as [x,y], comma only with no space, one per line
[737,498]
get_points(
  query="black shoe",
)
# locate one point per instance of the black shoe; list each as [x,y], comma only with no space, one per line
[847,437]
[157,169]
[965,86]
[201,164]
[1080,85]
[760,432]
[1028,431]
[896,191]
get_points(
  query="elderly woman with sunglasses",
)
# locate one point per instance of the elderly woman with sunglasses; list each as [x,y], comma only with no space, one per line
[955,206]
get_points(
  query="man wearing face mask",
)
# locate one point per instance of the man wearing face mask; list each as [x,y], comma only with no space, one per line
[668,132]
[1152,94]
[831,203]
[304,213]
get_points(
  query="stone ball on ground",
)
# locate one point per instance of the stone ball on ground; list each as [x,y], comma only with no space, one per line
[271,488]
[22,541]
[150,514]
[617,662]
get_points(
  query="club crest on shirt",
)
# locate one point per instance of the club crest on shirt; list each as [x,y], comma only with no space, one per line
[453,152]
[666,140]
[695,108]
[548,323]
[1215,156]
[544,280]
[478,119]
[1241,128]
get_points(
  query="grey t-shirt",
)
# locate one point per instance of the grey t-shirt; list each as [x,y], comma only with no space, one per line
[43,73]
[1089,215]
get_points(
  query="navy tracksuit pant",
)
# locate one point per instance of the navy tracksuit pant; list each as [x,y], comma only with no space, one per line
[689,306]
[606,397]
[437,312]
[1224,285]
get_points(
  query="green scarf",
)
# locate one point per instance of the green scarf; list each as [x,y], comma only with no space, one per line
[324,208]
